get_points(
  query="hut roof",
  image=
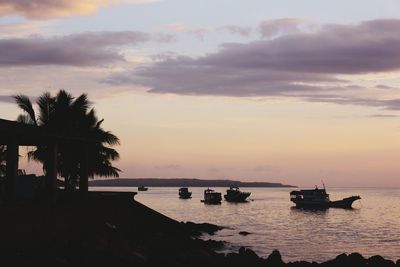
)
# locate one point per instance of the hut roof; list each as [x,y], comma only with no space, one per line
[31,135]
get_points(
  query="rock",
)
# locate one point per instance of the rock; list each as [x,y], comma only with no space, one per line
[379,261]
[250,254]
[275,259]
[244,233]
[231,259]
[213,244]
[302,264]
[356,260]
[198,228]
[352,260]
[248,257]
[340,260]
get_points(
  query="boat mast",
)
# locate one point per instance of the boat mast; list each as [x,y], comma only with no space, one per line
[323,184]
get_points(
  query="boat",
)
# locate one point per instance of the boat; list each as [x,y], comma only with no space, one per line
[319,199]
[142,188]
[233,194]
[211,197]
[184,193]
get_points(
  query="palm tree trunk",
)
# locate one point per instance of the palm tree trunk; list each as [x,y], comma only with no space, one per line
[66,183]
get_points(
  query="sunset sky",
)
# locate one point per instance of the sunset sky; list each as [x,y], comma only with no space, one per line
[290,91]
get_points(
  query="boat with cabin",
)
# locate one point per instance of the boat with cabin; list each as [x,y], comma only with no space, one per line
[319,199]
[184,193]
[142,188]
[233,194]
[211,197]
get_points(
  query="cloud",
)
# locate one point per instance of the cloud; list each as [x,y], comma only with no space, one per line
[199,33]
[383,116]
[6,99]
[389,104]
[22,29]
[382,86]
[177,27]
[233,29]
[83,49]
[40,9]
[270,28]
[173,77]
[336,49]
[307,65]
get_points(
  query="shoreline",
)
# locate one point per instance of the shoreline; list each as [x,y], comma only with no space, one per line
[112,229]
[179,182]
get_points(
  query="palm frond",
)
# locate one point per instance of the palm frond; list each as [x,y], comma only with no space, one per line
[106,171]
[26,105]
[81,104]
[46,107]
[98,124]
[39,154]
[25,119]
[108,138]
[108,152]
[64,99]
[91,118]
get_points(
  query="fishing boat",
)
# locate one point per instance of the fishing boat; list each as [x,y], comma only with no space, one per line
[184,193]
[318,198]
[142,188]
[211,197]
[233,194]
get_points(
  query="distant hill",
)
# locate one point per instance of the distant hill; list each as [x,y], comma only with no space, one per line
[178,182]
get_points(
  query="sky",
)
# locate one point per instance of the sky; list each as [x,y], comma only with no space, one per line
[290,91]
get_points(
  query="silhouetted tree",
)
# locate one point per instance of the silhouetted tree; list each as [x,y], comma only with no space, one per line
[71,116]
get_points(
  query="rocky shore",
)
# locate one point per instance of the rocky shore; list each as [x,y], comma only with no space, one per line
[113,230]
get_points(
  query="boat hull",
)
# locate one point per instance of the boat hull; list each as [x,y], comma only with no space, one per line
[185,195]
[212,198]
[345,203]
[239,197]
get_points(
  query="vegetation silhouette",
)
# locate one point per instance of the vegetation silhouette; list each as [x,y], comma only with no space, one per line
[69,116]
[2,160]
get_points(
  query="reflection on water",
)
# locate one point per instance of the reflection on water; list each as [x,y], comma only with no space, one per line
[372,227]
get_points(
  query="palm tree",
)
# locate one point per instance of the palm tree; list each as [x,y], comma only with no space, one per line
[71,116]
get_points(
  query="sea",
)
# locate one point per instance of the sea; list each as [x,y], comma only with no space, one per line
[372,227]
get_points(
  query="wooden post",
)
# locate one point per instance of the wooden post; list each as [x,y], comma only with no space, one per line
[84,172]
[11,169]
[51,172]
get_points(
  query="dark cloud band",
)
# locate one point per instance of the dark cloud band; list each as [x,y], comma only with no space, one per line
[84,49]
[304,65]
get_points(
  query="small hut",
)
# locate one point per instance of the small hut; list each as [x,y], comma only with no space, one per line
[14,134]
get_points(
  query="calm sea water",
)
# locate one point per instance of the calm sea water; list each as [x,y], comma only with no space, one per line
[372,227]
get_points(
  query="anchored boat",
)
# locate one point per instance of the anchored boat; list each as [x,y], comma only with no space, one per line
[184,193]
[233,194]
[142,188]
[211,197]
[318,198]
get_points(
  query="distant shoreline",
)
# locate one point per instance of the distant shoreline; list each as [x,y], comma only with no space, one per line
[179,182]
